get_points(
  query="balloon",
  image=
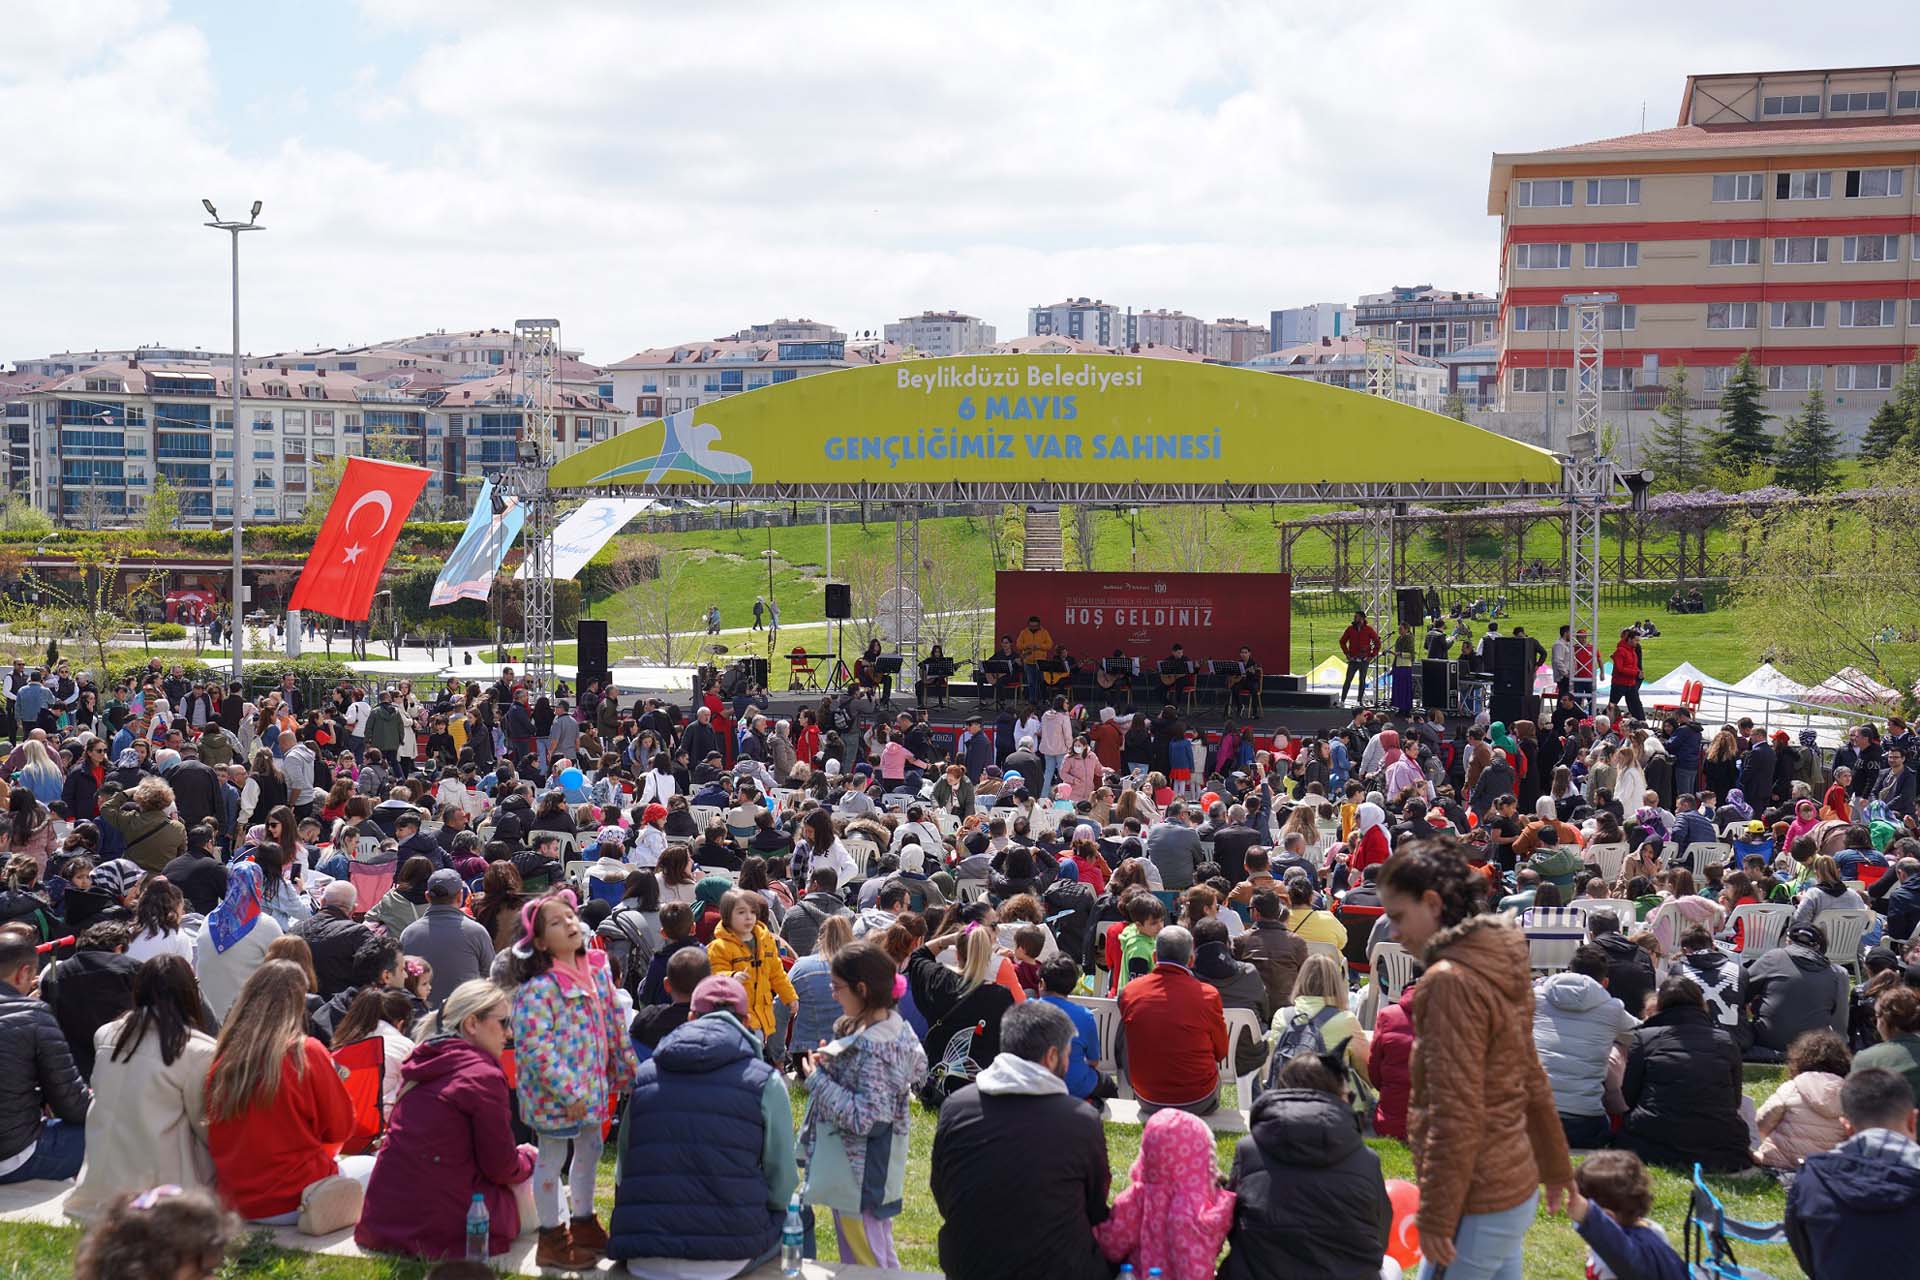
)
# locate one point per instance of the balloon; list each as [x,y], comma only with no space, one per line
[1210,799]
[1403,1242]
[572,779]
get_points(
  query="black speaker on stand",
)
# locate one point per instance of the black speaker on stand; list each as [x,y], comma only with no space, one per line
[590,634]
[1436,683]
[1512,680]
[839,601]
[1412,606]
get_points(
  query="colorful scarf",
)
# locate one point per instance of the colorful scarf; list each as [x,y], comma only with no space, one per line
[239,911]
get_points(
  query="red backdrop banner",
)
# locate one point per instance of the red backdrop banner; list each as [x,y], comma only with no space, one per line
[1143,614]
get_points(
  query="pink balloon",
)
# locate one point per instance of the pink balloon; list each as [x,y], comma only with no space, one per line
[1403,1242]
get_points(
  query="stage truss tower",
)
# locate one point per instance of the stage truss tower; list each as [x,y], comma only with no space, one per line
[536,362]
[1590,480]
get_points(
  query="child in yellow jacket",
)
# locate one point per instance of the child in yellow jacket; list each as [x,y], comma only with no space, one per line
[744,948]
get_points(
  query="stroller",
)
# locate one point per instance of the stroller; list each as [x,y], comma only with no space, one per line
[1710,1236]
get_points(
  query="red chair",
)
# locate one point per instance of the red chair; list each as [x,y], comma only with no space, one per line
[365,1063]
[1690,695]
[802,665]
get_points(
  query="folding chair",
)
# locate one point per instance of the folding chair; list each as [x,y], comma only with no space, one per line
[607,891]
[1553,935]
[1710,1234]
[364,1061]
[370,881]
[803,670]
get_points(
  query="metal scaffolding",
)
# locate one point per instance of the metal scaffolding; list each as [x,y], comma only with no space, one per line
[1383,368]
[1589,320]
[536,358]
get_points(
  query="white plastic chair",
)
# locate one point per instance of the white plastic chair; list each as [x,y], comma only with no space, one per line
[1240,1022]
[1844,929]
[1554,935]
[970,890]
[1609,857]
[1327,949]
[1392,967]
[703,814]
[1621,909]
[1762,925]
[1704,855]
[864,853]
[575,873]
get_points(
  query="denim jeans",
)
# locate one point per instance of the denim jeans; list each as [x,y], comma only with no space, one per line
[57,1154]
[1586,1132]
[1683,781]
[1487,1246]
[1048,774]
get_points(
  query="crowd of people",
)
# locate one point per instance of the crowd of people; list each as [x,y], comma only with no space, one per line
[546,924]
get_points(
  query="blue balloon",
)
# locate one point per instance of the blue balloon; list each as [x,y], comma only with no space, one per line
[572,779]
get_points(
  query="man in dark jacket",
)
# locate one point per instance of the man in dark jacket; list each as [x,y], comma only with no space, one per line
[1690,827]
[1684,746]
[1855,1210]
[37,1076]
[91,987]
[200,877]
[1019,1167]
[196,788]
[376,965]
[1757,769]
[1722,983]
[1272,949]
[334,937]
[801,926]
[707,1106]
[415,843]
[1310,1196]
[1630,976]
[1793,989]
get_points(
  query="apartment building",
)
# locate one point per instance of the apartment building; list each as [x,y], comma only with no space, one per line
[1426,321]
[662,380]
[1342,362]
[1235,341]
[942,333]
[1089,319]
[785,330]
[1299,326]
[1166,328]
[1776,217]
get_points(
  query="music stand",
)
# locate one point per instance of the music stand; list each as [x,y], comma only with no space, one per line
[1053,667]
[1178,667]
[940,669]
[1228,671]
[996,668]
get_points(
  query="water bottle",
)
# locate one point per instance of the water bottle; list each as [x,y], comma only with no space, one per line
[793,1239]
[1153,1273]
[1126,1271]
[477,1226]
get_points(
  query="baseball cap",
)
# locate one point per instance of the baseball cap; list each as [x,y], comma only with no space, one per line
[720,992]
[445,884]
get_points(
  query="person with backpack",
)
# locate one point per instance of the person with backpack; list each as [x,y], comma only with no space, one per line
[800,927]
[1319,1024]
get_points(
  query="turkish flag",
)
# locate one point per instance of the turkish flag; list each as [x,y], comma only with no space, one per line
[356,538]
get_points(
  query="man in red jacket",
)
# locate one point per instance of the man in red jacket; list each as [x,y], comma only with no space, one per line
[1626,674]
[1176,1035]
[1361,644]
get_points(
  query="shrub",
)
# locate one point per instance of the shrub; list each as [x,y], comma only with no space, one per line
[167,631]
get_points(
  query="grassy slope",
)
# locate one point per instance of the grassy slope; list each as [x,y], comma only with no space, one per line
[44,1253]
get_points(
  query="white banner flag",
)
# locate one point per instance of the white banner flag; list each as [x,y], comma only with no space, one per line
[581,535]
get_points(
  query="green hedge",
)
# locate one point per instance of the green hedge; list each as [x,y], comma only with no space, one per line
[167,631]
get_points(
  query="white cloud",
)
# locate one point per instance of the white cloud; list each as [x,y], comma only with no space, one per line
[656,173]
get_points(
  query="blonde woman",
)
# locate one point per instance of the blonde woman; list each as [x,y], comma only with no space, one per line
[1320,1002]
[1629,778]
[276,1112]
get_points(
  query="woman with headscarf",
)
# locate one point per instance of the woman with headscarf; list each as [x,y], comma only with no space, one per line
[1495,780]
[1369,846]
[1733,809]
[707,892]
[130,765]
[1400,771]
[1806,816]
[235,940]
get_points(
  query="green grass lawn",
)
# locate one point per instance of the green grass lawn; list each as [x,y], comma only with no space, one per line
[45,1253]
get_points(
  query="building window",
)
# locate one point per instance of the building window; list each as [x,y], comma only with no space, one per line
[1792,104]
[323,422]
[1738,186]
[1793,377]
[1810,185]
[1613,191]
[1742,251]
[1863,377]
[1618,317]
[1544,257]
[1870,249]
[1871,313]
[1548,194]
[1872,100]
[1613,255]
[1907,100]
[1733,315]
[1714,377]
[295,420]
[322,449]
[1616,379]
[1790,250]
[673,404]
[1539,319]
[1538,381]
[1874,184]
[1797,315]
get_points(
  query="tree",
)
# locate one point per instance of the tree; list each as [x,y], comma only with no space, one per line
[1080,522]
[652,602]
[1906,401]
[1673,450]
[19,515]
[1886,431]
[1833,587]
[1810,448]
[162,515]
[1742,444]
[1456,406]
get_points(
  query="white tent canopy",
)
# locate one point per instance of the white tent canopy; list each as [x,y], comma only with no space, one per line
[1674,679]
[1769,681]
[1852,687]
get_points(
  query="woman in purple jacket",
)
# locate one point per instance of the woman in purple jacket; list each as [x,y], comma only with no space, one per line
[450,1138]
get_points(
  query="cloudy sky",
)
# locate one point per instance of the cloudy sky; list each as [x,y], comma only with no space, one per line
[656,173]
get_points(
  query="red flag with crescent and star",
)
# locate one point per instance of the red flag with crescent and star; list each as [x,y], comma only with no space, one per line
[356,538]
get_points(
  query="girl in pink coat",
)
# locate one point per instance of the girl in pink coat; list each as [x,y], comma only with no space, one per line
[1174,1214]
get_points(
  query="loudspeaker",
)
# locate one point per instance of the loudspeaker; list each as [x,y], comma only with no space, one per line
[1436,677]
[1509,666]
[839,600]
[760,669]
[590,634]
[1413,606]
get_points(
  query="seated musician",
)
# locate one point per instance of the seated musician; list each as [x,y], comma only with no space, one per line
[1059,681]
[1107,682]
[1008,681]
[1183,680]
[1246,685]
[930,682]
[867,674]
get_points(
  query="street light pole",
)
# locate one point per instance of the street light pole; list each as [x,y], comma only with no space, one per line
[233,229]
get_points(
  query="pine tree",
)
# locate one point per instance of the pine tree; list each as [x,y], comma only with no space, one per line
[1742,445]
[1886,431]
[1906,401]
[1810,448]
[1673,451]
